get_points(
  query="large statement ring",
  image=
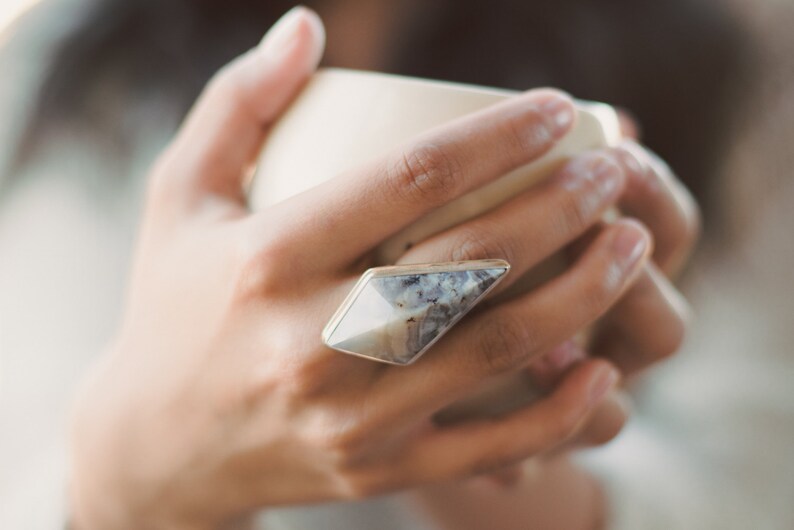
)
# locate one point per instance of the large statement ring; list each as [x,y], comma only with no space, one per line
[395,314]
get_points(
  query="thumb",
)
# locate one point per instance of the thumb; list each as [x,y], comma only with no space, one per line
[225,129]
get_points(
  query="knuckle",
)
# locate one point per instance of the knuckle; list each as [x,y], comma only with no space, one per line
[428,173]
[260,386]
[360,485]
[263,266]
[342,436]
[295,384]
[505,344]
[305,380]
[479,243]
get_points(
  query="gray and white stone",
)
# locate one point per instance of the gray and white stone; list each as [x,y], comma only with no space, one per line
[397,318]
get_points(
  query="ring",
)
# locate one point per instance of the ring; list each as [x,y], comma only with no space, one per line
[395,314]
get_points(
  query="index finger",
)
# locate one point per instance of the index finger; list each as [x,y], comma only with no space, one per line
[369,204]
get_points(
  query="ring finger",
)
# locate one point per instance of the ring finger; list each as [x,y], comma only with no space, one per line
[509,335]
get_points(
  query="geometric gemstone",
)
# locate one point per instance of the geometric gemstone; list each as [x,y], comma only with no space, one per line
[395,314]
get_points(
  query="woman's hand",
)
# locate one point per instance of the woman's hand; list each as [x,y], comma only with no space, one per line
[217,397]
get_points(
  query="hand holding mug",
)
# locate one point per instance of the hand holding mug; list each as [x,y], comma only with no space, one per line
[217,397]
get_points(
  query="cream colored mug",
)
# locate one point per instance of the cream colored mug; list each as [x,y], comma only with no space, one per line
[344,118]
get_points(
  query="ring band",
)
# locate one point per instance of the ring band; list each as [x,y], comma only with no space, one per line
[395,314]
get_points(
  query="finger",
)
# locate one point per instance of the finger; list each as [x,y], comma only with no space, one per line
[369,204]
[225,129]
[531,227]
[602,426]
[510,335]
[654,196]
[607,419]
[646,326]
[487,445]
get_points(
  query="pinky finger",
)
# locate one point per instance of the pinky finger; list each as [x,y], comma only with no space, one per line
[484,446]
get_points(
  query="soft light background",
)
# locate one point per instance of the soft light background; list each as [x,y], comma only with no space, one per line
[10,9]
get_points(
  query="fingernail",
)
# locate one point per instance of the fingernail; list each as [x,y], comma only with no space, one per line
[627,151]
[639,162]
[603,384]
[596,177]
[284,32]
[629,244]
[561,113]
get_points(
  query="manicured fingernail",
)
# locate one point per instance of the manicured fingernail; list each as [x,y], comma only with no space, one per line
[639,163]
[603,384]
[561,113]
[595,179]
[627,151]
[283,32]
[629,244]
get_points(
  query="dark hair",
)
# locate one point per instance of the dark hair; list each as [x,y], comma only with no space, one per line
[680,66]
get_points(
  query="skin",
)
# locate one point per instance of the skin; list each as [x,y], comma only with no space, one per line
[217,398]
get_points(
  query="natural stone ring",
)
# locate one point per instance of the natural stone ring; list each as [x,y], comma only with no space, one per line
[395,314]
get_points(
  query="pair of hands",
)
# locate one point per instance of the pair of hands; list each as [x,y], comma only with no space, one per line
[217,397]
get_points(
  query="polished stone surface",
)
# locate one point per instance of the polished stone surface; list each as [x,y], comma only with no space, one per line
[396,318]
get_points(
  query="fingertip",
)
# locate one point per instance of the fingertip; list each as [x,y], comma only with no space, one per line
[603,379]
[300,32]
[557,107]
[632,244]
[608,420]
[314,29]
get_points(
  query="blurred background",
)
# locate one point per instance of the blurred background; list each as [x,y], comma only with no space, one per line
[91,90]
[11,9]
